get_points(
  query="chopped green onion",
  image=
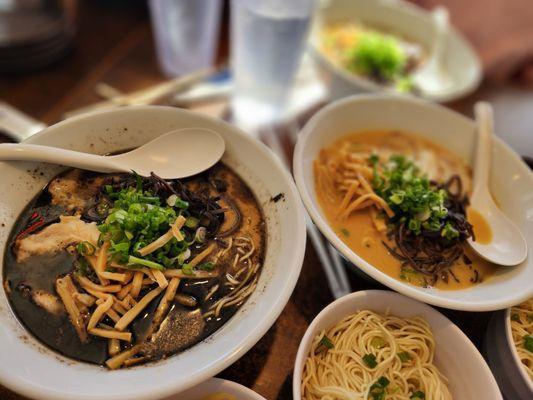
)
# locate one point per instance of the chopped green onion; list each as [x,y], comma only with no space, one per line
[384,382]
[200,234]
[208,266]
[397,197]
[528,343]
[377,55]
[326,342]
[132,260]
[102,208]
[418,395]
[370,360]
[404,356]
[515,317]
[378,389]
[149,199]
[171,200]
[82,267]
[415,201]
[136,219]
[139,181]
[405,84]
[192,222]
[373,159]
[85,248]
[183,256]
[449,232]
[181,204]
[345,232]
[378,342]
[187,269]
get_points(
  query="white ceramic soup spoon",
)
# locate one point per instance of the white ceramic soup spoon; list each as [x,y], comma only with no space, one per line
[432,78]
[176,154]
[507,246]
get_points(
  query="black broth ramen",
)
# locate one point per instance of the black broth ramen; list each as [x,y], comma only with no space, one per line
[117,270]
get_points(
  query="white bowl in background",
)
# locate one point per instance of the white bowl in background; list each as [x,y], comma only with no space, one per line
[214,386]
[30,368]
[503,359]
[405,19]
[469,377]
[511,183]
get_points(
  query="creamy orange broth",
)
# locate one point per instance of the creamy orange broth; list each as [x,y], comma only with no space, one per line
[358,232]
[482,229]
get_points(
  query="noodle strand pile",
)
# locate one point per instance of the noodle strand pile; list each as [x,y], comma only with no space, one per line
[522,329]
[375,357]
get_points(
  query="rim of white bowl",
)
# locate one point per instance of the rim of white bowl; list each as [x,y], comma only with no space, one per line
[376,87]
[514,353]
[324,227]
[225,384]
[21,386]
[301,355]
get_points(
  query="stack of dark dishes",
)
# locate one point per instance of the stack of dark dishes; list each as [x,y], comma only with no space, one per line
[34,33]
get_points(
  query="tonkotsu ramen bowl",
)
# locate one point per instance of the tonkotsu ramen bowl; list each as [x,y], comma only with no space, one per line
[469,376]
[511,184]
[30,368]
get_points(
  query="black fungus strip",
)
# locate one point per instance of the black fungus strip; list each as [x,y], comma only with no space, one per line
[429,253]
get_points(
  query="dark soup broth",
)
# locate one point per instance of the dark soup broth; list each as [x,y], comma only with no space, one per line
[117,270]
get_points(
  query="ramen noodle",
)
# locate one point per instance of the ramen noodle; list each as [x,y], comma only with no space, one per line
[522,330]
[371,356]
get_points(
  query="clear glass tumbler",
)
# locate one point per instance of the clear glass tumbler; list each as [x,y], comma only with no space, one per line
[267,41]
[186,33]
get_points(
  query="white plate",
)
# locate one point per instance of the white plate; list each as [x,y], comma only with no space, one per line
[30,368]
[406,19]
[216,385]
[469,377]
[511,183]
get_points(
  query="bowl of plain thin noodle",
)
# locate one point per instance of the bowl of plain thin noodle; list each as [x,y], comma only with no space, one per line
[380,345]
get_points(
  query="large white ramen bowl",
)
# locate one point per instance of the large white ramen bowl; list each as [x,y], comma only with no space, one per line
[469,377]
[28,367]
[511,184]
[402,18]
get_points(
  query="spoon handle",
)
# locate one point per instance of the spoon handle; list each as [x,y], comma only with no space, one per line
[441,18]
[53,155]
[485,127]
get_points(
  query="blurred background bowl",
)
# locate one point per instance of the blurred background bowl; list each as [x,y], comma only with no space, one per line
[406,20]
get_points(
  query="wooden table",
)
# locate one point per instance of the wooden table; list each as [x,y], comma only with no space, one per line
[118,49]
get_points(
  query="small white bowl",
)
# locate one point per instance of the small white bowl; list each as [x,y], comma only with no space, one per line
[511,183]
[217,385]
[503,358]
[30,368]
[405,19]
[456,357]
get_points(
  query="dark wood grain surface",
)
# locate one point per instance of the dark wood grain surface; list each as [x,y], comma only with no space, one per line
[114,45]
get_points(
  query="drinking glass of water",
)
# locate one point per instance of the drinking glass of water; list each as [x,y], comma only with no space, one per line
[186,33]
[267,41]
